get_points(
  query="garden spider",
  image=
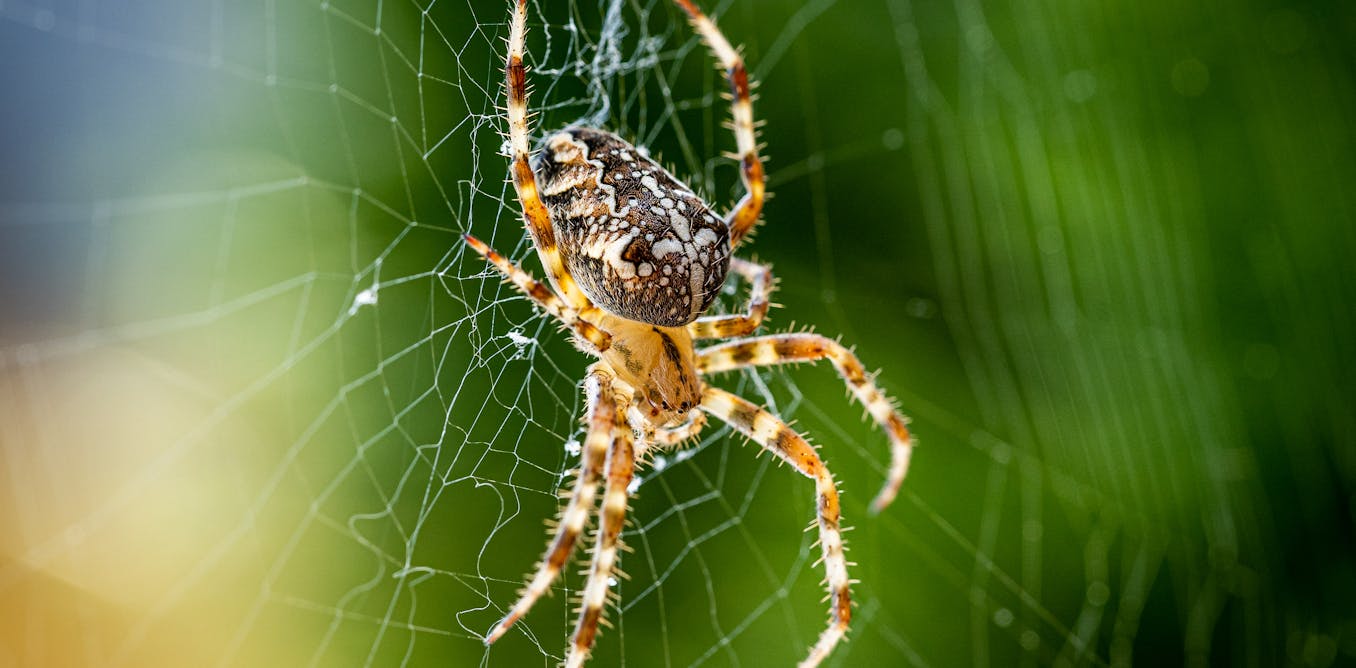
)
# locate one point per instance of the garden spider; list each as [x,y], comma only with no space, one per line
[634,258]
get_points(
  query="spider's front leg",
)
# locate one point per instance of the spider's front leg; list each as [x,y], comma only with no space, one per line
[788,348]
[745,214]
[773,434]
[542,295]
[602,420]
[535,214]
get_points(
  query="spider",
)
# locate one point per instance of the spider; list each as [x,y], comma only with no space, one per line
[634,258]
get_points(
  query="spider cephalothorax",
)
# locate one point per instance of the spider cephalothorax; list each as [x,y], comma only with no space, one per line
[640,243]
[635,258]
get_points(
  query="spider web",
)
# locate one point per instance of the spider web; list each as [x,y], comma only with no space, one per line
[260,407]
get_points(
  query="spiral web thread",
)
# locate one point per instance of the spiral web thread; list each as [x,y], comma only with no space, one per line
[344,431]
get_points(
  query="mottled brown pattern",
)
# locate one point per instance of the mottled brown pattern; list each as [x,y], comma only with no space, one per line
[638,241]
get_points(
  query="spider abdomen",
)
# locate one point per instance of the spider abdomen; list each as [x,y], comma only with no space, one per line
[638,242]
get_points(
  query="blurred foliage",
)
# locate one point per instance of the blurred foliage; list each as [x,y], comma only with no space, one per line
[257,405]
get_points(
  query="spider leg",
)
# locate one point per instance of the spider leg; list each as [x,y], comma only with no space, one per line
[535,214]
[759,277]
[779,439]
[745,214]
[542,295]
[602,412]
[786,348]
[621,464]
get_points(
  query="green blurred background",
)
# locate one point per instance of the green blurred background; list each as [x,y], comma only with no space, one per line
[259,407]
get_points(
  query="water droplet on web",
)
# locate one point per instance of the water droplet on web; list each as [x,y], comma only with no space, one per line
[367,297]
[573,447]
[520,341]
[892,139]
[918,307]
[1098,594]
[1002,617]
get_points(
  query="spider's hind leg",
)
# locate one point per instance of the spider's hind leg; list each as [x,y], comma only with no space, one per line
[788,348]
[621,467]
[602,412]
[773,434]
